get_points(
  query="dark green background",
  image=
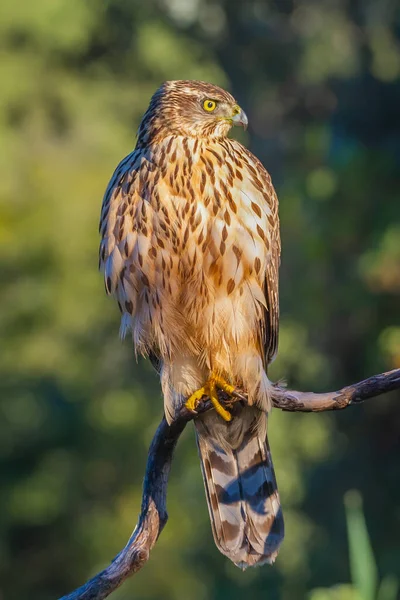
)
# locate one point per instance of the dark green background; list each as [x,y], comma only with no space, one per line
[319,81]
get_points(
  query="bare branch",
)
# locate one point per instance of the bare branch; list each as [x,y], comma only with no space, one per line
[153,515]
[291,400]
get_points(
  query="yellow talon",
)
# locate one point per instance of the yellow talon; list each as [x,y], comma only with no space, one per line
[223,385]
[217,404]
[210,390]
[193,400]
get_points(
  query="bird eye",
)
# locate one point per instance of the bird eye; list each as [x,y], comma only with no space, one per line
[209,105]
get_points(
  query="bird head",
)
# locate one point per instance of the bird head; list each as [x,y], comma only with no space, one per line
[192,109]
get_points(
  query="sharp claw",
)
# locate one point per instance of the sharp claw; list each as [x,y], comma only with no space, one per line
[239,395]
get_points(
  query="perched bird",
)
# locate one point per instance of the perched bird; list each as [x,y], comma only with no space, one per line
[191,249]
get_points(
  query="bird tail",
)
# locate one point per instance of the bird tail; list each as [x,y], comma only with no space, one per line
[242,496]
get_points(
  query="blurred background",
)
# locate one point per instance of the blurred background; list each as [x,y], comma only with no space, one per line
[320,82]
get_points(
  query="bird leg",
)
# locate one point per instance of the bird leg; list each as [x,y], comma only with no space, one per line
[210,389]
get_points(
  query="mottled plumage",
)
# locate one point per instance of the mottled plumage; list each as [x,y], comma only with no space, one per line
[190,248]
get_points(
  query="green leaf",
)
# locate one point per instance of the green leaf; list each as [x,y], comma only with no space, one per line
[362,562]
[337,592]
[389,588]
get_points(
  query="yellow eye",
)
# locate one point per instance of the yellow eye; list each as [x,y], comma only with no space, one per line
[209,105]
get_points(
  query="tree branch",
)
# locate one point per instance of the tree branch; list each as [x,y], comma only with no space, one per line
[153,515]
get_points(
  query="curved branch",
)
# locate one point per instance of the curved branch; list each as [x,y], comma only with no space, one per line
[376,385]
[153,515]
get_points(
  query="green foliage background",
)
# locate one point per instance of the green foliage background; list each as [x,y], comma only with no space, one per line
[320,83]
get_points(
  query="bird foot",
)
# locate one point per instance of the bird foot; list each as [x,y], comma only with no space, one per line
[210,389]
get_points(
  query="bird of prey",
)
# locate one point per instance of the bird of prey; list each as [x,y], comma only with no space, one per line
[190,249]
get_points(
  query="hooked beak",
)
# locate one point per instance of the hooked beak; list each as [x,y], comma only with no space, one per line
[239,117]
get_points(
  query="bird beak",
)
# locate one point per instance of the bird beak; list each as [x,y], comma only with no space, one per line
[239,117]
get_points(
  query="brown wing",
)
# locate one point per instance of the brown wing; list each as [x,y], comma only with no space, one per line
[271,289]
[140,250]
[270,326]
[113,227]
[125,233]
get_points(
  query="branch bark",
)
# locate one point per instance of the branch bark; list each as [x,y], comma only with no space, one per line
[153,515]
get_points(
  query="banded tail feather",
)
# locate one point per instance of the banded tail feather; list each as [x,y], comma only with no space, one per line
[242,496]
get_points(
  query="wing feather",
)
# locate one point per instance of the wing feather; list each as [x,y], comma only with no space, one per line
[269,325]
